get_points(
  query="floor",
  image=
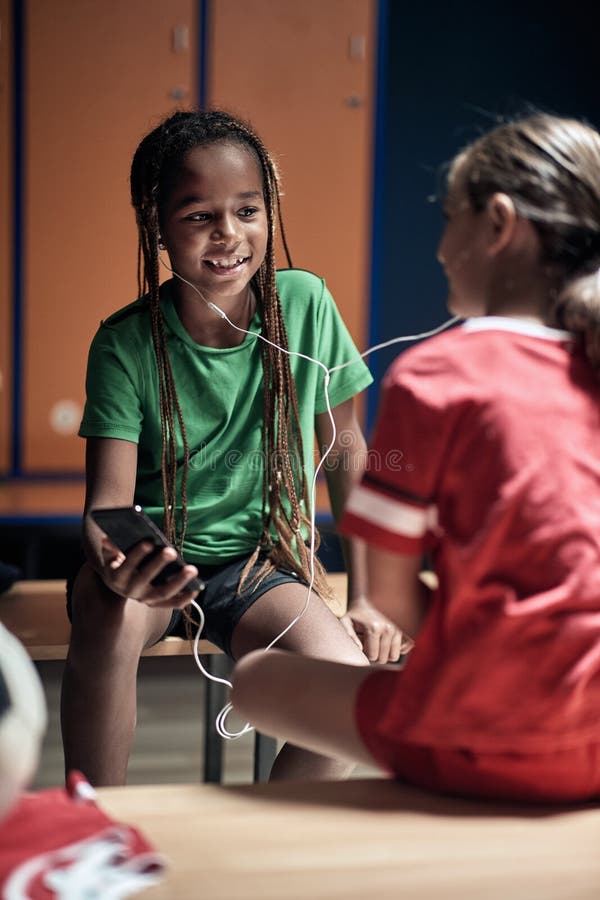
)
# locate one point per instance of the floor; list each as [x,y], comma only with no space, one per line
[169,736]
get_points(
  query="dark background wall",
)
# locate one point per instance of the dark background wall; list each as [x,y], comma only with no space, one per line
[452,70]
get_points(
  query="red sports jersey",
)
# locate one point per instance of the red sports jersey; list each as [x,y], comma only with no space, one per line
[487,454]
[58,843]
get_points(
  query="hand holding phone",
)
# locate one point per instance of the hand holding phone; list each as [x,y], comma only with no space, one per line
[127,526]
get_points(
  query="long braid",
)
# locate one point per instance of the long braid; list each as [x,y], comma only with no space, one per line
[282,437]
[144,175]
[156,159]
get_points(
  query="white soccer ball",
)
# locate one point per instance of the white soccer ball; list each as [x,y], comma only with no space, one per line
[22,719]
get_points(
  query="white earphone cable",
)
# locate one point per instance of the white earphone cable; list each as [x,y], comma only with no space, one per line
[220,726]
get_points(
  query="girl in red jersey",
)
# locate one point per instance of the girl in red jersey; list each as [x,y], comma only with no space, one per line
[498,422]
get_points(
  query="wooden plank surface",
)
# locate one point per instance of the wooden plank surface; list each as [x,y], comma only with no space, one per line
[364,838]
[59,498]
[36,612]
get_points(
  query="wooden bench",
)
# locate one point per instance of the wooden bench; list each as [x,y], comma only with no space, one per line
[35,612]
[359,839]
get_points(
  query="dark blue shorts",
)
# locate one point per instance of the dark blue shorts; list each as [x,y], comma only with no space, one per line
[220,602]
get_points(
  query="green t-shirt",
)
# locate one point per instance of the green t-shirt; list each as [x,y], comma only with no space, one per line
[221,397]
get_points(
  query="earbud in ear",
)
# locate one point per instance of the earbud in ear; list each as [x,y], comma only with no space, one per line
[161,246]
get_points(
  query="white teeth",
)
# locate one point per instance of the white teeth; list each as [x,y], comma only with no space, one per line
[223,264]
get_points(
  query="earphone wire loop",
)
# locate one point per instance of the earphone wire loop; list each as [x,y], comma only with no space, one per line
[221,717]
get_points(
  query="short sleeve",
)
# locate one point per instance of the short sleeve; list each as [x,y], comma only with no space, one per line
[113,389]
[395,504]
[336,349]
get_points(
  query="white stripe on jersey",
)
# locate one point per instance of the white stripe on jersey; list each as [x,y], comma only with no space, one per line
[389,514]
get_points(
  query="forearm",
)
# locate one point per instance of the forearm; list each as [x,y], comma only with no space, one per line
[110,481]
[344,467]
[341,478]
[406,612]
[397,590]
[92,542]
[354,553]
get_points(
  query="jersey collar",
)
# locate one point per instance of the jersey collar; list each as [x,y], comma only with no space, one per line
[517,326]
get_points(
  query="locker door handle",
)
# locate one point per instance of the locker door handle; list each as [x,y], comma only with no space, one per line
[178,92]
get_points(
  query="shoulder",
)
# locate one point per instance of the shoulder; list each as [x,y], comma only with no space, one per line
[127,328]
[128,316]
[299,283]
[483,362]
[305,298]
[461,349]
[431,355]
[484,350]
[456,366]
[122,339]
[300,291]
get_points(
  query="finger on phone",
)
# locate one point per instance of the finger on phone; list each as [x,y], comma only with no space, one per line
[152,567]
[111,555]
[175,592]
[129,581]
[135,557]
[139,572]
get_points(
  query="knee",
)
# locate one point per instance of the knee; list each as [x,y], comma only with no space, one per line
[93,607]
[350,655]
[245,681]
[92,603]
[103,631]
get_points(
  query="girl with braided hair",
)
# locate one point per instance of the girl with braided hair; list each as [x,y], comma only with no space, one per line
[499,424]
[211,431]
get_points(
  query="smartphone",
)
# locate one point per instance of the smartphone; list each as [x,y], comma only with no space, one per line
[126,526]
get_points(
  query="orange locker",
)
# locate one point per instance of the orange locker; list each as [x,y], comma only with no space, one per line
[304,74]
[6,237]
[98,75]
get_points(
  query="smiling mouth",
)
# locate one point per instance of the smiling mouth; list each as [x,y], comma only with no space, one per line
[226,266]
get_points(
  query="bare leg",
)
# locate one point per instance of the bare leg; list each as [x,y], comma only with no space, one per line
[307,701]
[98,702]
[318,634]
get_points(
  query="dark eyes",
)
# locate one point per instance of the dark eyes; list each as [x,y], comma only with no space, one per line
[247,212]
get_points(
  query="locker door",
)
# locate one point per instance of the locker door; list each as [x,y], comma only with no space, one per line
[303,74]
[99,73]
[6,238]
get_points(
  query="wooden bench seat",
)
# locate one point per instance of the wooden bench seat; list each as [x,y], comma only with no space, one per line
[363,838]
[35,612]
